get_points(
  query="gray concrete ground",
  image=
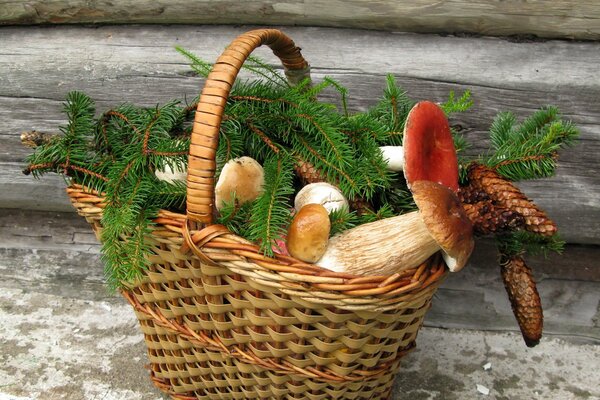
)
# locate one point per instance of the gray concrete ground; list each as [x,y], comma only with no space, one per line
[59,348]
[63,337]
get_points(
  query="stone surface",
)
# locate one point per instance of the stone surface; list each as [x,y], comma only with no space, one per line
[63,336]
[53,347]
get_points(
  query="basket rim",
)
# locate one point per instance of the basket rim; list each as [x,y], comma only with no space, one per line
[217,246]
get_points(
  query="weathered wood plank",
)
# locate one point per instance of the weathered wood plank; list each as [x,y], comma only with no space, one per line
[53,250]
[114,64]
[561,18]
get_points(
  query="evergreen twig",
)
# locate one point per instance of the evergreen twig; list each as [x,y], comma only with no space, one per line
[118,153]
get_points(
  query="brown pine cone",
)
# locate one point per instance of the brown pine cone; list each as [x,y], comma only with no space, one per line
[35,139]
[508,196]
[361,206]
[307,172]
[524,298]
[471,195]
[488,218]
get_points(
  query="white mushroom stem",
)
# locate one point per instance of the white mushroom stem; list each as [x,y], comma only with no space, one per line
[382,247]
[167,174]
[394,156]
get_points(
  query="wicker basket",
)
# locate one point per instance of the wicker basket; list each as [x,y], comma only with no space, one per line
[222,321]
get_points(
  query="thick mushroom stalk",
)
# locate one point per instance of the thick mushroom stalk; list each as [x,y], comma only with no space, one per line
[382,247]
[394,244]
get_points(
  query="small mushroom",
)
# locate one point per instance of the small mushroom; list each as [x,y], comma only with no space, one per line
[308,233]
[394,244]
[427,151]
[241,177]
[322,193]
[170,175]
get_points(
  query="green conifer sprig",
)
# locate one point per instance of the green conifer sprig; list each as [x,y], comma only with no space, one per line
[524,242]
[391,112]
[278,125]
[456,105]
[235,217]
[342,219]
[529,150]
[270,214]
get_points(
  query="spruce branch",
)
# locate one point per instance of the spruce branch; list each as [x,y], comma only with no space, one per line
[260,68]
[235,217]
[270,214]
[391,111]
[284,128]
[200,66]
[342,219]
[385,211]
[523,242]
[454,105]
[529,150]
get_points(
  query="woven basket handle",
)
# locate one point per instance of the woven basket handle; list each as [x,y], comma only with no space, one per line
[205,132]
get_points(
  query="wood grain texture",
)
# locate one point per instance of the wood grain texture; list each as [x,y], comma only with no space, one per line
[115,64]
[60,248]
[545,18]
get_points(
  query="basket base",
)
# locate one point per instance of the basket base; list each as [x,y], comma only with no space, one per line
[379,389]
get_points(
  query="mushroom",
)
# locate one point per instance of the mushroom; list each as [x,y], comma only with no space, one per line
[322,193]
[170,175]
[394,156]
[394,244]
[241,178]
[308,233]
[427,151]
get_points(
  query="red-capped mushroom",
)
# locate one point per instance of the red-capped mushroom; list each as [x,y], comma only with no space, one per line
[394,244]
[427,151]
[429,147]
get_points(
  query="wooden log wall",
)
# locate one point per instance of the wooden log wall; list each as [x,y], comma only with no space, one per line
[544,18]
[138,63]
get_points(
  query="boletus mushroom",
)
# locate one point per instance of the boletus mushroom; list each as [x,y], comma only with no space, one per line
[241,179]
[394,244]
[308,234]
[427,151]
[322,193]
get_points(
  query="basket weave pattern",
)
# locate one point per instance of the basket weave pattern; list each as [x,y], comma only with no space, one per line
[222,321]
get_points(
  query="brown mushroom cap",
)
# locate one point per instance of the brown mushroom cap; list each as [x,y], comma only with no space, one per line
[429,152]
[308,233]
[243,177]
[446,221]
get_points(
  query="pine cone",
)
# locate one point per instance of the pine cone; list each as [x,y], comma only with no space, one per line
[307,172]
[524,298]
[361,206]
[35,139]
[471,195]
[506,195]
[488,218]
